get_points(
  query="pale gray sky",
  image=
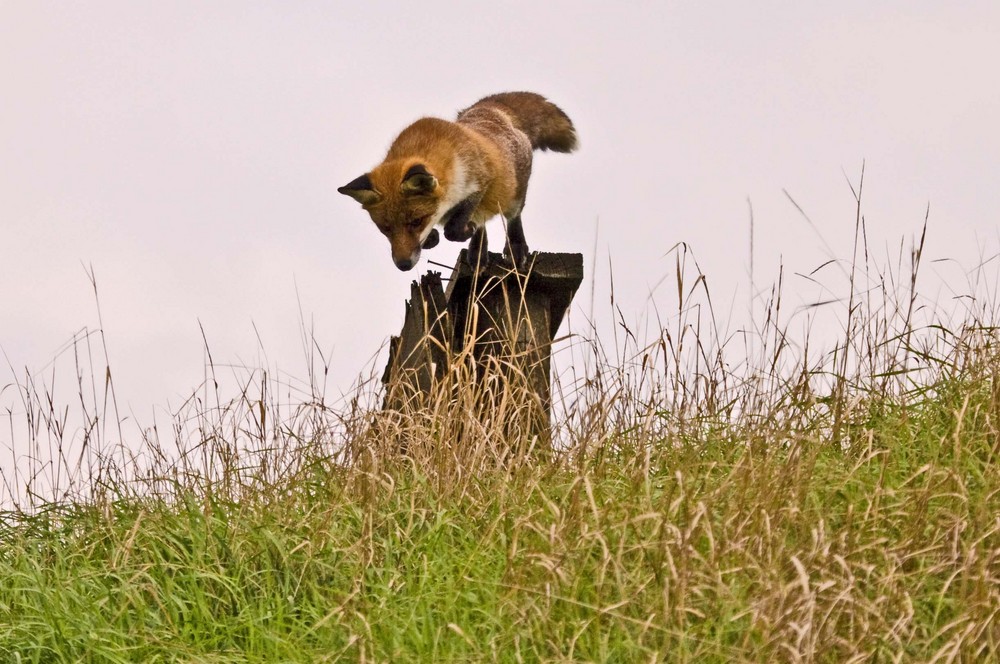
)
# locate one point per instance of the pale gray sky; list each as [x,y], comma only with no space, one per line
[190,152]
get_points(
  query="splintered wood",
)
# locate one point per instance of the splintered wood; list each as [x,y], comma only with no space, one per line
[488,336]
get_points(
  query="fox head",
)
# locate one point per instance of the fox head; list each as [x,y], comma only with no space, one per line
[403,201]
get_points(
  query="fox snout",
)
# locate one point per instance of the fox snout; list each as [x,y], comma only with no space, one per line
[406,245]
[406,263]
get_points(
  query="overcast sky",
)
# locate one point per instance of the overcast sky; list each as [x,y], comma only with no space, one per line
[190,153]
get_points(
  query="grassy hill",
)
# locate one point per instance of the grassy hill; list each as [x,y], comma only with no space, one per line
[834,507]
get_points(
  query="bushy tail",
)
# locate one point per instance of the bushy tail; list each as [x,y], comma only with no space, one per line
[544,122]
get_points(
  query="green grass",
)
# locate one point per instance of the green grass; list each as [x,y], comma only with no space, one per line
[800,507]
[707,552]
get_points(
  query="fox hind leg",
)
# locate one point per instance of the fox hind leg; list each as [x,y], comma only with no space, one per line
[517,245]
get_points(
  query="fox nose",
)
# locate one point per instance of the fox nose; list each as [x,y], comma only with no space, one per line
[405,264]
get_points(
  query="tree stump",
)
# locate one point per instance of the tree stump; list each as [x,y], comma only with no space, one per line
[505,317]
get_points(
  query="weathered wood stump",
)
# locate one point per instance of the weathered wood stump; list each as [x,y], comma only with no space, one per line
[505,317]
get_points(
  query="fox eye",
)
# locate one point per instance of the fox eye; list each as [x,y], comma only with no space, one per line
[414,224]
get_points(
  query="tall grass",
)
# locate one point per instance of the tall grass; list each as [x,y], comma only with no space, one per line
[708,496]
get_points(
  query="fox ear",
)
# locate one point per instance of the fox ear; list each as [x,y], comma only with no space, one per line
[418,181]
[361,190]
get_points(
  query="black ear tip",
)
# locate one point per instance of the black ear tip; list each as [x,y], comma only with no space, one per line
[357,184]
[416,169]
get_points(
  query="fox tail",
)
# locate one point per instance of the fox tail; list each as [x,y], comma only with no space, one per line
[543,122]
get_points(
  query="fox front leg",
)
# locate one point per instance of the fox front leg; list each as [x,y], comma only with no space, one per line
[458,226]
[477,254]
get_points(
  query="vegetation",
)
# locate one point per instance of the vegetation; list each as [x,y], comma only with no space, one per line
[784,506]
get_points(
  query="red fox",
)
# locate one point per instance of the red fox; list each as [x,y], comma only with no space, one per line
[460,174]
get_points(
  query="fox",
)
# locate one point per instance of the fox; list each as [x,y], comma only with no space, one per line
[459,175]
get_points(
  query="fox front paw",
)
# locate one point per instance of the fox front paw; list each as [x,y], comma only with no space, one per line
[459,233]
[432,240]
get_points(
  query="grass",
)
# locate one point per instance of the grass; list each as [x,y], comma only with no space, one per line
[689,553]
[786,506]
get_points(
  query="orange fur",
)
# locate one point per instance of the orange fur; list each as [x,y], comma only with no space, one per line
[459,174]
